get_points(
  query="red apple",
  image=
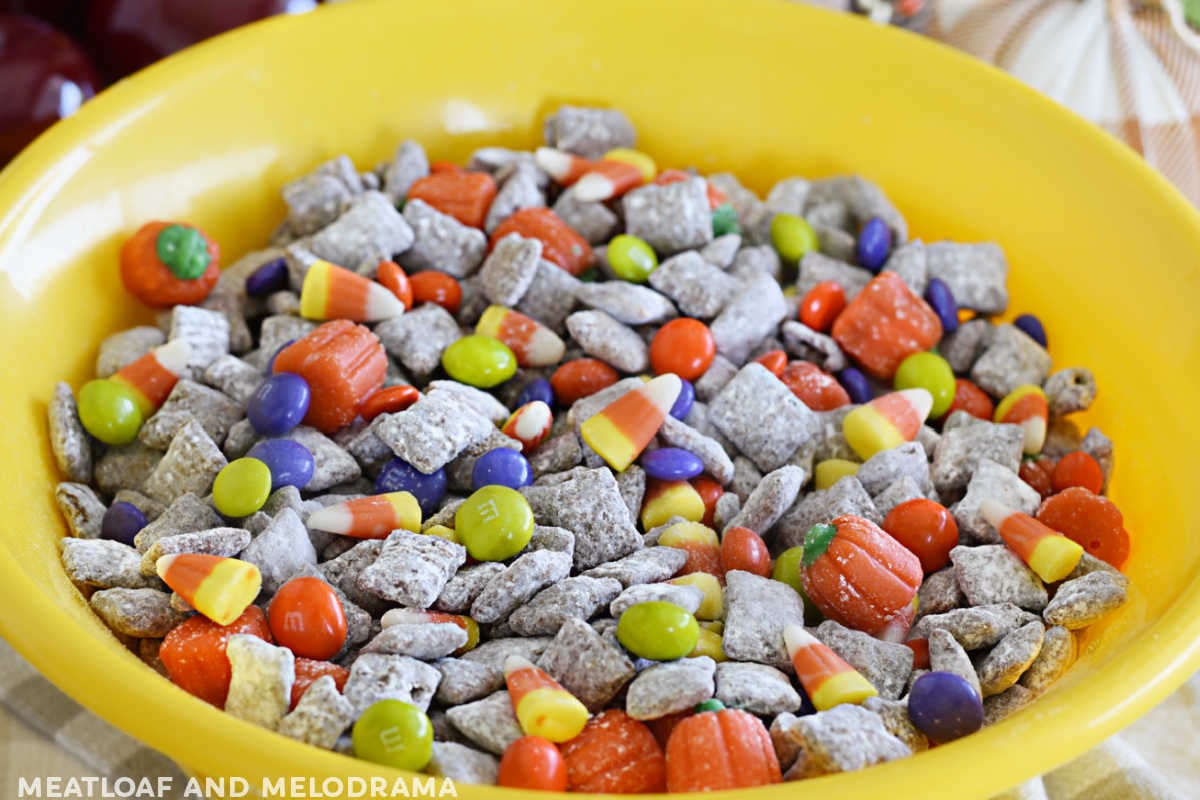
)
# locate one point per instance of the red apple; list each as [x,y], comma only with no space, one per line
[126,35]
[44,76]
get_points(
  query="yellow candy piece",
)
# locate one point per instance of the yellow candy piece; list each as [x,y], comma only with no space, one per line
[315,291]
[472,636]
[623,428]
[714,625]
[1011,399]
[674,499]
[637,158]
[693,533]
[1026,406]
[610,442]
[442,532]
[870,432]
[832,470]
[845,687]
[713,604]
[709,644]
[1054,557]
[551,713]
[219,588]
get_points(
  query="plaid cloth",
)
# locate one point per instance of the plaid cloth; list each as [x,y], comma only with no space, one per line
[100,746]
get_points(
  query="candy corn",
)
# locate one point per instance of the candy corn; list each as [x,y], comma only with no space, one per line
[666,499]
[699,542]
[712,607]
[371,517]
[416,616]
[886,422]
[442,532]
[530,425]
[622,430]
[1047,552]
[828,472]
[1026,406]
[544,708]
[608,179]
[332,292]
[532,343]
[561,244]
[635,158]
[152,377]
[828,680]
[709,643]
[219,588]
[565,168]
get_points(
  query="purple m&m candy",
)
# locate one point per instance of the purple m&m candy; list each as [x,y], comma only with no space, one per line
[290,462]
[671,464]
[874,244]
[278,404]
[1032,327]
[121,522]
[270,277]
[399,476]
[856,385]
[683,403]
[941,300]
[502,467]
[539,389]
[944,706]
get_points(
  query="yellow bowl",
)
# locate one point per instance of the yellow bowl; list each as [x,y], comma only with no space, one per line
[1100,247]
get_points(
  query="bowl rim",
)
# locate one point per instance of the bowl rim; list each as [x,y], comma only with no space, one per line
[30,181]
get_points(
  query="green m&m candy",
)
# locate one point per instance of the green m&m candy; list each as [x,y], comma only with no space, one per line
[109,411]
[241,487]
[394,733]
[931,372]
[631,258]
[792,236]
[494,523]
[479,361]
[657,630]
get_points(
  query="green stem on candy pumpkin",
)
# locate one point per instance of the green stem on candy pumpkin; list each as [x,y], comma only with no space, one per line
[817,541]
[183,250]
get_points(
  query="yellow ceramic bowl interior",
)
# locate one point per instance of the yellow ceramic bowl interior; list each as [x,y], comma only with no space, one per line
[1100,247]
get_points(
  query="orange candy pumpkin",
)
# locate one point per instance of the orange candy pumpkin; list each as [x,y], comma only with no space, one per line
[614,754]
[723,749]
[858,575]
[343,363]
[193,653]
[155,282]
[561,244]
[466,196]
[884,324]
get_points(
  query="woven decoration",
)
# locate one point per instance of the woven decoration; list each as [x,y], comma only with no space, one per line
[1132,67]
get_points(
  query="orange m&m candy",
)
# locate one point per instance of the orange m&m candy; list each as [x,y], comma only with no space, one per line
[432,286]
[307,618]
[774,361]
[581,377]
[822,304]
[684,346]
